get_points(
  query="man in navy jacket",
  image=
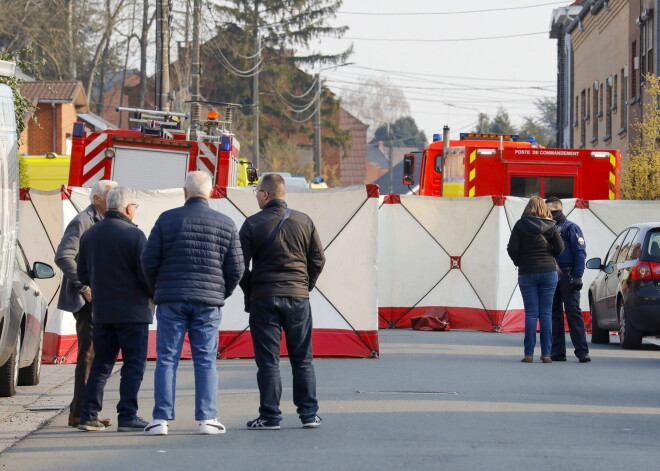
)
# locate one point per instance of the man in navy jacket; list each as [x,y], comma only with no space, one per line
[193,262]
[109,262]
[567,294]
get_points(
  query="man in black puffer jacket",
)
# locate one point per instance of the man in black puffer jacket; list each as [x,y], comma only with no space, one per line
[109,262]
[287,259]
[193,261]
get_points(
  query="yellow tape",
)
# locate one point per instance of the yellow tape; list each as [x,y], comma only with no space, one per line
[473,172]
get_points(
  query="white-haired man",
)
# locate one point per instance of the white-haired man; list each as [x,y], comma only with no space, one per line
[193,262]
[109,261]
[76,297]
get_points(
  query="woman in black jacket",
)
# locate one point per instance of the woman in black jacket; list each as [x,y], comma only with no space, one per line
[533,246]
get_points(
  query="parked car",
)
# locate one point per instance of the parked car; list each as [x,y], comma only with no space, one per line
[625,295]
[26,325]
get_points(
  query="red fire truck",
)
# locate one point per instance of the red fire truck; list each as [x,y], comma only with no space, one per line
[492,164]
[158,153]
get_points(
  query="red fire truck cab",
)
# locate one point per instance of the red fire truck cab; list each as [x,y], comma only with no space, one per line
[492,164]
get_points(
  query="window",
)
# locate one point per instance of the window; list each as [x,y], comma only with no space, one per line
[561,187]
[633,69]
[608,108]
[594,129]
[583,122]
[577,111]
[601,95]
[614,248]
[653,247]
[615,92]
[525,186]
[627,245]
[624,99]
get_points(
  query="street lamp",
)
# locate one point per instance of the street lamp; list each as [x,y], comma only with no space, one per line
[317,119]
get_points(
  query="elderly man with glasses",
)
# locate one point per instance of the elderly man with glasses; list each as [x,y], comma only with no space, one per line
[109,262]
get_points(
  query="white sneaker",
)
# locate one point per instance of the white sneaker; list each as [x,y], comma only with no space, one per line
[156,427]
[211,427]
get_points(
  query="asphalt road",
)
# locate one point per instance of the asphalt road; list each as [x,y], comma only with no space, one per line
[434,400]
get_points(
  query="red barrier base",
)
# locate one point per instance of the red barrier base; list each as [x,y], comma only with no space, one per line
[327,343]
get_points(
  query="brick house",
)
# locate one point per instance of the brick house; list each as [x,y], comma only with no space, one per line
[58,104]
[604,49]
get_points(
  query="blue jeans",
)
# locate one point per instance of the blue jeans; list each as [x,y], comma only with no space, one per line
[538,291]
[268,317]
[108,339]
[202,322]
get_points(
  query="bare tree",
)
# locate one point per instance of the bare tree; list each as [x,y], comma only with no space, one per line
[376,101]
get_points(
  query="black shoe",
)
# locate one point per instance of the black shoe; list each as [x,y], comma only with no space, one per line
[311,422]
[584,358]
[263,424]
[135,425]
[558,357]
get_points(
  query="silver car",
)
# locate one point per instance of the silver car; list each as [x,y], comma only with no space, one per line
[25,325]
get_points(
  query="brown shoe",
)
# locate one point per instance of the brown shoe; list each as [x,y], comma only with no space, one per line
[546,359]
[527,359]
[75,421]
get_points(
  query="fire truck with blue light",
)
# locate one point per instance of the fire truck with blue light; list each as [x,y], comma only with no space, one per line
[479,164]
[158,152]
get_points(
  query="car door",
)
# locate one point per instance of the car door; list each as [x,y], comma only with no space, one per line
[601,297]
[614,278]
[29,300]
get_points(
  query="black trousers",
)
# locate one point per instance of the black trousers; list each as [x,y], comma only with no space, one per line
[84,329]
[567,300]
[132,340]
[268,318]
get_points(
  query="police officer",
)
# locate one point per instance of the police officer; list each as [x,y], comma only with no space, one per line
[567,294]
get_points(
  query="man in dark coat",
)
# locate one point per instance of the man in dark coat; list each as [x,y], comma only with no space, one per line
[567,295]
[193,262]
[75,296]
[287,259]
[109,262]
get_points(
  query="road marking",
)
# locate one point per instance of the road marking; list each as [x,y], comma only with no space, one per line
[444,349]
[401,406]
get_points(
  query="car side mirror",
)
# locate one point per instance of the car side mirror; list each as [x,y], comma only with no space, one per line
[409,169]
[252,176]
[609,268]
[594,264]
[42,271]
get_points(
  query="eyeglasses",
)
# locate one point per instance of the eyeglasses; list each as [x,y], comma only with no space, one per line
[135,205]
[255,191]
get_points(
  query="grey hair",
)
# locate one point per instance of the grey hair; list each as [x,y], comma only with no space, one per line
[100,187]
[119,198]
[198,183]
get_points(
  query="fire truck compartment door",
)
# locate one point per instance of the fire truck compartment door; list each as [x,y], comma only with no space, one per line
[149,169]
[527,180]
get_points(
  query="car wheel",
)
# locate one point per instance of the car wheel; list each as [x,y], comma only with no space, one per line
[598,335]
[629,336]
[29,376]
[9,371]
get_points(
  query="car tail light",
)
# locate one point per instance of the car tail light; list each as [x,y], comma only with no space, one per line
[642,271]
[655,270]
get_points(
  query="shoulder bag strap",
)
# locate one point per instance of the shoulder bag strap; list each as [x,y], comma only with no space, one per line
[272,236]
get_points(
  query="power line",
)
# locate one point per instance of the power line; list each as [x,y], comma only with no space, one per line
[449,12]
[443,40]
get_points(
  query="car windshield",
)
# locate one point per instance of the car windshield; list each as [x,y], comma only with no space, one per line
[653,247]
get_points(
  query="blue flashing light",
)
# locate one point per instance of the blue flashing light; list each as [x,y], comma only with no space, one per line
[531,139]
[317,180]
[437,137]
[78,130]
[225,143]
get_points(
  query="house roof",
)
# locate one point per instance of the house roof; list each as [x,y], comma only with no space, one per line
[62,91]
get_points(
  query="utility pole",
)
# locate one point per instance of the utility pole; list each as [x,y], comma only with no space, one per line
[317,128]
[159,52]
[194,86]
[389,162]
[165,62]
[255,98]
